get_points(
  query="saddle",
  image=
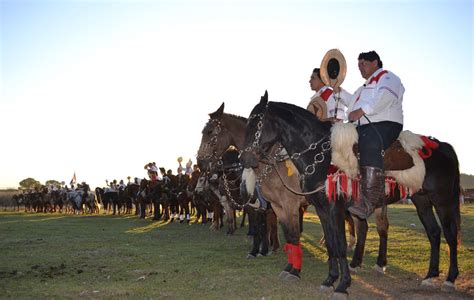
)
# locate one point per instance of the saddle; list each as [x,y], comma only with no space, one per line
[395,158]
[403,160]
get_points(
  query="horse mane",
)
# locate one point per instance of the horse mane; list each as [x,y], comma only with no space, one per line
[210,122]
[235,117]
[299,116]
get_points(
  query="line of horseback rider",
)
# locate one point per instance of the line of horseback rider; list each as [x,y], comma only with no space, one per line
[54,198]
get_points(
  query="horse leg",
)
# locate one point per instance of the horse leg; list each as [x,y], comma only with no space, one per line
[242,224]
[361,227]
[323,212]
[289,220]
[272,230]
[337,221]
[156,210]
[381,221]
[263,233]
[230,214]
[450,229]
[187,210]
[351,228]
[424,208]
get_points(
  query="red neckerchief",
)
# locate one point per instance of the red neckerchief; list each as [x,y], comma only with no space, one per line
[326,94]
[376,78]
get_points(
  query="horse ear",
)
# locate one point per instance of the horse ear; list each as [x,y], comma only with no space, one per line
[264,98]
[218,113]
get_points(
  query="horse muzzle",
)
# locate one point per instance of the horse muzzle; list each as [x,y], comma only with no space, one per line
[249,181]
[249,160]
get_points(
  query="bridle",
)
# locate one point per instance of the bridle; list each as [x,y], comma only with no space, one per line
[212,144]
[271,160]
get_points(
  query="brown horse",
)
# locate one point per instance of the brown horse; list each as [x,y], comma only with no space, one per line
[223,130]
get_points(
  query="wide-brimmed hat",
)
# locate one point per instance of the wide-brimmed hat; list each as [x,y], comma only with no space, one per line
[333,68]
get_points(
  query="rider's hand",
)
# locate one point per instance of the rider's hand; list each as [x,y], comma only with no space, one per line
[356,115]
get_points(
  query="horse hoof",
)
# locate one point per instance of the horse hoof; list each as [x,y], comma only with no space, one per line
[251,256]
[379,270]
[428,283]
[291,278]
[283,275]
[326,289]
[339,296]
[448,286]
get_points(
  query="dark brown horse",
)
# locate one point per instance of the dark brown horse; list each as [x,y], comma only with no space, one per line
[307,142]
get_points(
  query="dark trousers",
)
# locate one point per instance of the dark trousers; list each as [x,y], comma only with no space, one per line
[371,143]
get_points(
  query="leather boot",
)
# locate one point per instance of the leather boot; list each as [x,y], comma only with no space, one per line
[372,188]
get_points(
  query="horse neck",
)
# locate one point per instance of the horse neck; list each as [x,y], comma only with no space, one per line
[298,136]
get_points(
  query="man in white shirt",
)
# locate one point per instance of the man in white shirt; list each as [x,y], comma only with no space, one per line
[324,104]
[377,108]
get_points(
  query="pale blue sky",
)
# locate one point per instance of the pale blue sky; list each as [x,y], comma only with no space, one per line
[103,87]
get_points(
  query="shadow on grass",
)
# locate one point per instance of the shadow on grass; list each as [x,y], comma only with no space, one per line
[147,228]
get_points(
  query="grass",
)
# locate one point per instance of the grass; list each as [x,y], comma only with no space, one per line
[68,256]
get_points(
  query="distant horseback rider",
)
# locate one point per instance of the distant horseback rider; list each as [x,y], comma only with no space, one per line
[121,185]
[111,187]
[189,170]
[196,172]
[165,178]
[85,190]
[377,108]
[152,170]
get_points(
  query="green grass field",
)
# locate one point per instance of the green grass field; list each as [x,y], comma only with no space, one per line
[67,256]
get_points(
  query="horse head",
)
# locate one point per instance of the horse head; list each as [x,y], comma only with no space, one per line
[221,131]
[257,144]
[285,126]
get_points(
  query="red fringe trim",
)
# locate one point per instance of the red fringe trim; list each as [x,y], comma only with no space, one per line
[338,184]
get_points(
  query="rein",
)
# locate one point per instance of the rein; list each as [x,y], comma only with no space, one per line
[272,161]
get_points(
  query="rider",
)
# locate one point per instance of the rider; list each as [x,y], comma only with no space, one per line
[188,171]
[377,108]
[324,104]
[152,171]
[85,189]
[121,185]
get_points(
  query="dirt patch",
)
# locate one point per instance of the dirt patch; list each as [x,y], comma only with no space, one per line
[374,286]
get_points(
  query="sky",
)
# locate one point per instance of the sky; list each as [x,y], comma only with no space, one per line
[102,87]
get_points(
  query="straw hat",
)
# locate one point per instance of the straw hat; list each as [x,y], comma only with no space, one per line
[333,68]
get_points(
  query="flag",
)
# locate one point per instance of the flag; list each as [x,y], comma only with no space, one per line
[73,180]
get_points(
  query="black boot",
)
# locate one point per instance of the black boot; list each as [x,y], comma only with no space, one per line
[372,188]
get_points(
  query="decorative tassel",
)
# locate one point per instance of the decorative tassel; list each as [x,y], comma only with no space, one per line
[428,148]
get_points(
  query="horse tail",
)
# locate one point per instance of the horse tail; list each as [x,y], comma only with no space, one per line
[448,150]
[456,195]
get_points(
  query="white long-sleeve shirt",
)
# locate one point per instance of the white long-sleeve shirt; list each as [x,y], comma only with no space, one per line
[332,104]
[380,98]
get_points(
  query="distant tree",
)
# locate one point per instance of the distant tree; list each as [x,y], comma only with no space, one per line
[467,181]
[29,183]
[53,182]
